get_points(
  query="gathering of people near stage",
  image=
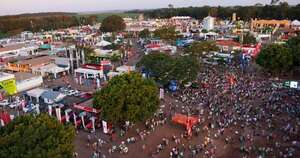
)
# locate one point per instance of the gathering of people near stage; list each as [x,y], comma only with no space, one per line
[237,111]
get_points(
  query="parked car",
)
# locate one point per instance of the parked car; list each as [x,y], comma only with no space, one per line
[27,109]
[71,92]
[4,102]
[13,105]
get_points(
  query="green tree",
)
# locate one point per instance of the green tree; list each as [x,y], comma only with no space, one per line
[89,53]
[144,33]
[249,39]
[166,33]
[36,136]
[198,49]
[113,23]
[128,97]
[185,69]
[115,59]
[159,65]
[275,58]
[294,45]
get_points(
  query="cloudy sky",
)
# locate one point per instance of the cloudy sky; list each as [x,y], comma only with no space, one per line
[31,6]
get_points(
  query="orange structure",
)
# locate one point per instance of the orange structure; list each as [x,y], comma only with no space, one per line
[256,24]
[187,121]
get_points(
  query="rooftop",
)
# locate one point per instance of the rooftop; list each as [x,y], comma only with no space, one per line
[23,76]
[12,47]
[6,76]
[36,61]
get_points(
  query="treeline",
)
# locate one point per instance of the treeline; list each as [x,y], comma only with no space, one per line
[281,11]
[12,25]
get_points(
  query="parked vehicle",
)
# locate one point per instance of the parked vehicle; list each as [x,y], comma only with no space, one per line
[13,105]
[4,102]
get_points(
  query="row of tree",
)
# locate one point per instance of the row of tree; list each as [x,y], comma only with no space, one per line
[281,11]
[12,25]
[280,58]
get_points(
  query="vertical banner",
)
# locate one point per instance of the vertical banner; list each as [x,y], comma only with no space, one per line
[50,110]
[83,123]
[1,123]
[93,123]
[67,116]
[98,83]
[104,125]
[74,117]
[37,108]
[58,114]
[161,93]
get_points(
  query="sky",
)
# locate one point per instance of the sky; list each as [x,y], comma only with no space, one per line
[33,6]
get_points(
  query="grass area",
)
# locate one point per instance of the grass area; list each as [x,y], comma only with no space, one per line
[101,16]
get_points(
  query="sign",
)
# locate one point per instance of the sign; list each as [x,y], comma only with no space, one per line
[9,86]
[92,66]
[294,84]
[104,125]
[86,108]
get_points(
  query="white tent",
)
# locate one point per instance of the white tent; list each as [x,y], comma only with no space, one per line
[296,23]
[37,92]
[125,68]
[103,43]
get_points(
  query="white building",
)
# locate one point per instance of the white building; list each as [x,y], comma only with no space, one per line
[26,81]
[208,23]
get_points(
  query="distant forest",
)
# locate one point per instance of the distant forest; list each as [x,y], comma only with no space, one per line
[13,24]
[281,11]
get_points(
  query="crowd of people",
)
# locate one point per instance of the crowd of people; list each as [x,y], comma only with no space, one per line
[239,114]
[248,112]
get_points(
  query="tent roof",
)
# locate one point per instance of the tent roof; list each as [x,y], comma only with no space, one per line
[52,95]
[103,43]
[37,92]
[184,120]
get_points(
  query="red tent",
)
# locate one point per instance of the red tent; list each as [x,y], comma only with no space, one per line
[5,117]
[187,121]
[86,108]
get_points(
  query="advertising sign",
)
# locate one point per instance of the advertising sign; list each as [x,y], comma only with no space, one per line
[9,86]
[294,84]
[104,125]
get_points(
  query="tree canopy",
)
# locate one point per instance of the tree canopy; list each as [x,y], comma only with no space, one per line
[164,68]
[294,45]
[144,33]
[113,23]
[275,58]
[281,11]
[185,69]
[159,65]
[36,136]
[198,48]
[249,39]
[128,97]
[166,33]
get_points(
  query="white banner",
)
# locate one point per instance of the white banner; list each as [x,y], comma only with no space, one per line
[104,125]
[58,114]
[161,93]
[294,84]
[50,110]
[2,123]
[74,117]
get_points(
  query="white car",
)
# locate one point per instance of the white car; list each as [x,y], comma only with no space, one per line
[4,102]
[26,109]
[71,92]
[13,105]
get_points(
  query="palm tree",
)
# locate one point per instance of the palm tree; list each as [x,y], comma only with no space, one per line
[89,54]
[115,59]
